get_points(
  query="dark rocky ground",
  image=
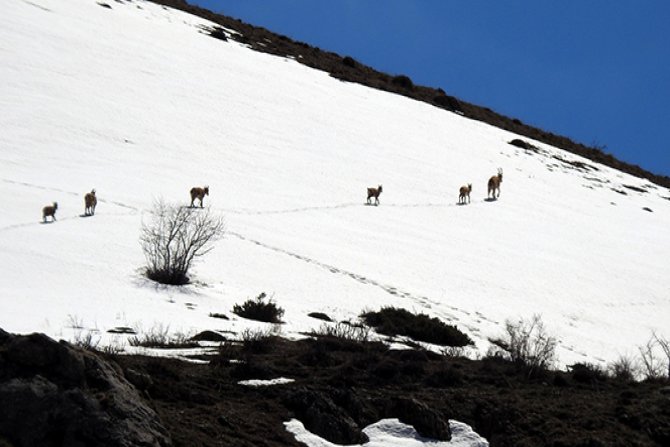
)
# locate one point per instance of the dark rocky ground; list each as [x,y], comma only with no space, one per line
[347,69]
[54,394]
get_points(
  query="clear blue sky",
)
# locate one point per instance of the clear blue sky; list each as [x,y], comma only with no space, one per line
[597,71]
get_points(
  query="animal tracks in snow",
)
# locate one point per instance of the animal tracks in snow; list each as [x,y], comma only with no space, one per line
[424,301]
[62,218]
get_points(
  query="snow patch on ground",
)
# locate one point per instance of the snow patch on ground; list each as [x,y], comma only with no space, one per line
[270,382]
[393,433]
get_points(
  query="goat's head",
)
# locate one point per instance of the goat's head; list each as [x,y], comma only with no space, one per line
[206,190]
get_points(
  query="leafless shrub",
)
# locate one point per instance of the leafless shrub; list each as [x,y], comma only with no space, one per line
[454,351]
[344,331]
[527,343]
[86,340]
[655,366]
[159,337]
[664,344]
[75,322]
[624,368]
[174,238]
[259,340]
[112,349]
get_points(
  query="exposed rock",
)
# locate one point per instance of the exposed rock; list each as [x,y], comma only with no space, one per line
[523,145]
[319,316]
[208,336]
[54,394]
[321,416]
[426,421]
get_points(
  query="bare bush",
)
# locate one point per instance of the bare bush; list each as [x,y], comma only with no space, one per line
[664,344]
[159,337]
[527,343]
[654,365]
[624,368]
[259,340]
[174,238]
[344,331]
[86,340]
[454,351]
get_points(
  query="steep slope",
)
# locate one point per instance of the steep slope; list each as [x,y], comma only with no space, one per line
[348,69]
[139,102]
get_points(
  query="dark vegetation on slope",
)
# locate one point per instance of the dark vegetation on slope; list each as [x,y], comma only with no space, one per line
[56,394]
[342,386]
[420,327]
[260,309]
[348,69]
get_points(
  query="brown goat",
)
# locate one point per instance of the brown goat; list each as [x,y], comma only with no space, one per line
[494,184]
[465,193]
[199,193]
[374,192]
[90,202]
[49,210]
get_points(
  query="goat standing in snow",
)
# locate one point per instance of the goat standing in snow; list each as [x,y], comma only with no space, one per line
[465,193]
[90,202]
[49,210]
[199,193]
[374,192]
[494,184]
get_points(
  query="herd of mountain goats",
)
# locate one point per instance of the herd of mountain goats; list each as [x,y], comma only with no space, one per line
[463,194]
[91,201]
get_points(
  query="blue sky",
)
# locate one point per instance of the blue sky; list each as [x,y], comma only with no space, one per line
[597,71]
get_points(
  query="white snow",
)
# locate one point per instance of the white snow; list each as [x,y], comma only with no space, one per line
[392,432]
[138,103]
[269,382]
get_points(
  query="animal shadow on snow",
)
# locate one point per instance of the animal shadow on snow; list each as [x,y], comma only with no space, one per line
[491,199]
[371,204]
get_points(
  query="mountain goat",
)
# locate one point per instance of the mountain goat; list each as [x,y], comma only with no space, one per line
[374,192]
[494,184]
[49,210]
[90,202]
[464,193]
[199,193]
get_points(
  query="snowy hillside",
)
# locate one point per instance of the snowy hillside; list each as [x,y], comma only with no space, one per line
[136,101]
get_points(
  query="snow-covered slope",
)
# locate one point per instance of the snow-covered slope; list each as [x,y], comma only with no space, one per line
[137,102]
